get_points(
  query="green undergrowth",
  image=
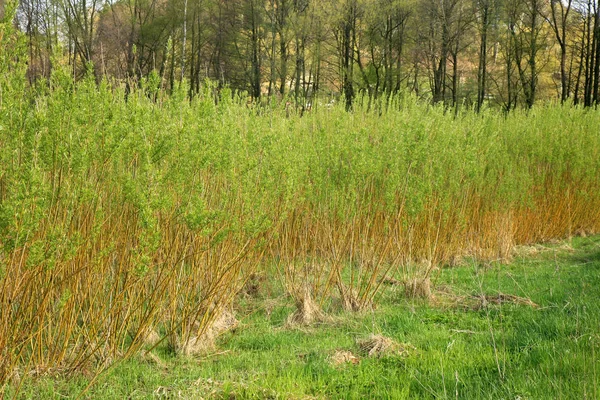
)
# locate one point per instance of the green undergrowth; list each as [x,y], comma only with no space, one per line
[456,347]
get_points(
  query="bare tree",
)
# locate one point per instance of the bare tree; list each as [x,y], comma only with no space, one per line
[80,18]
[441,20]
[345,36]
[484,10]
[558,20]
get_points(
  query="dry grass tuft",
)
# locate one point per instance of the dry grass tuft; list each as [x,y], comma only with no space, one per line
[533,250]
[208,388]
[307,310]
[418,288]
[343,357]
[503,298]
[379,345]
[164,392]
[446,298]
[582,232]
[565,247]
[150,337]
[528,250]
[205,341]
[352,301]
[459,260]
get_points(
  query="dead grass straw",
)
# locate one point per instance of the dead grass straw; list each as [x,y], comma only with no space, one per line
[379,346]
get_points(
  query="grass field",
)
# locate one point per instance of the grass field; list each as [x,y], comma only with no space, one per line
[454,346]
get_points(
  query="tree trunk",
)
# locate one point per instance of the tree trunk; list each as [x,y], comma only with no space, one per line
[455,76]
[532,62]
[347,49]
[482,68]
[589,60]
[255,52]
[281,23]
[580,68]
[597,57]
[184,39]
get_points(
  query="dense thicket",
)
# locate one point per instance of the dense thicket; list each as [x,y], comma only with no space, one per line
[501,52]
[130,217]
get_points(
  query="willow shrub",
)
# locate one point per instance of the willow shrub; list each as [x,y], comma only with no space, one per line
[124,215]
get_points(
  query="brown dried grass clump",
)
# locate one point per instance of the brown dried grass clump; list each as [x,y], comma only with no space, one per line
[535,249]
[458,260]
[445,297]
[343,357]
[208,388]
[582,232]
[565,247]
[206,340]
[379,345]
[503,298]
[150,337]
[307,310]
[528,250]
[351,299]
[418,288]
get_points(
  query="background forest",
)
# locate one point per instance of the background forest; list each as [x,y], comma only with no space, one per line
[461,52]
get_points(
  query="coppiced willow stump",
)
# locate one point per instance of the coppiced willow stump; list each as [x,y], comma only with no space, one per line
[150,337]
[418,288]
[205,341]
[353,301]
[307,311]
[350,300]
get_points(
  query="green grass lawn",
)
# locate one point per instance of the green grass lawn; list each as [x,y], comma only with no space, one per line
[462,348]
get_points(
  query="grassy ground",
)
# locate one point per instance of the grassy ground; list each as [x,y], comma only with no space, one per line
[455,346]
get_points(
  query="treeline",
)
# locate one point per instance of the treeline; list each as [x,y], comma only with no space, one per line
[506,53]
